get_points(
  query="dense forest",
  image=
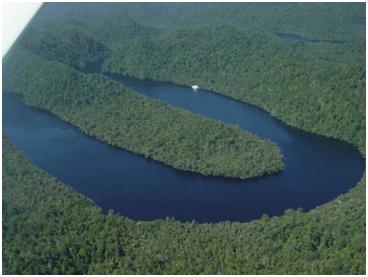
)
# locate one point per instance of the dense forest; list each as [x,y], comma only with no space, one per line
[286,80]
[50,229]
[238,54]
[321,21]
[109,111]
[70,46]
[231,49]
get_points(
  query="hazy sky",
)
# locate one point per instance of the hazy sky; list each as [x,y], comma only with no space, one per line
[15,18]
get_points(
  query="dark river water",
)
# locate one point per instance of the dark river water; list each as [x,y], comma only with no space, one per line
[288,37]
[317,169]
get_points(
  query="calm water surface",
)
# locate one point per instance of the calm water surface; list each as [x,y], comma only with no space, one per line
[288,37]
[317,169]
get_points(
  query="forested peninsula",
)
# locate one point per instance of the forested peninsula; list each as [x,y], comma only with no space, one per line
[48,228]
[109,111]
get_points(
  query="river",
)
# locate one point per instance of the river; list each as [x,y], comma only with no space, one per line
[288,37]
[317,169]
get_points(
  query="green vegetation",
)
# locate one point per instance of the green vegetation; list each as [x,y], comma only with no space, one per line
[117,30]
[228,48]
[110,112]
[50,229]
[319,90]
[323,21]
[70,46]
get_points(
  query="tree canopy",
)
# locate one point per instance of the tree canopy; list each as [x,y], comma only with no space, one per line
[111,112]
[229,48]
[48,228]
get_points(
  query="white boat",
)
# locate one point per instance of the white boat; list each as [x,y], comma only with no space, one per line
[195,87]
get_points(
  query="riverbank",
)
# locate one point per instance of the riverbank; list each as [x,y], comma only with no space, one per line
[85,163]
[50,219]
[110,112]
